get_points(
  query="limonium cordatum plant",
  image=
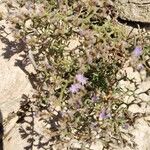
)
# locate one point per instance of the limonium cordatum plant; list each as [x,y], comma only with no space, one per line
[76,49]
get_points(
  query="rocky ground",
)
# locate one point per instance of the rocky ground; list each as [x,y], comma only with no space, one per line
[14,82]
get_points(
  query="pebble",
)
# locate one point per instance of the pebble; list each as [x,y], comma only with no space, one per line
[75,144]
[96,145]
[28,23]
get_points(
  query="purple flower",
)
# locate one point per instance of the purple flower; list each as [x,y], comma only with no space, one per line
[78,104]
[125,126]
[75,88]
[104,115]
[81,79]
[94,98]
[137,51]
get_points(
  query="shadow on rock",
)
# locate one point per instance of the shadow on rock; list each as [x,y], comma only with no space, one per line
[12,47]
[29,130]
[16,47]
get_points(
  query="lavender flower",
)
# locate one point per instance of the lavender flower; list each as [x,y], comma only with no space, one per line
[104,115]
[81,79]
[137,51]
[125,126]
[78,104]
[75,88]
[94,98]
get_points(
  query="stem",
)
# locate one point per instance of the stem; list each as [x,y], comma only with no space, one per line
[62,91]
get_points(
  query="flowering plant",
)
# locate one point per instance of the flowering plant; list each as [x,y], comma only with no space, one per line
[76,49]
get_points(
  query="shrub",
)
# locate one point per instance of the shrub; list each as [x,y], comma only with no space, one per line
[76,49]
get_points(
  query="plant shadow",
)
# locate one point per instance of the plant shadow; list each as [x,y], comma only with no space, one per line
[16,47]
[28,130]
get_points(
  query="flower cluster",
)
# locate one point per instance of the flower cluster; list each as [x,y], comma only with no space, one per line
[82,80]
[75,88]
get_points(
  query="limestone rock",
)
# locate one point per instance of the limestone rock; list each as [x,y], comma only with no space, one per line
[134,10]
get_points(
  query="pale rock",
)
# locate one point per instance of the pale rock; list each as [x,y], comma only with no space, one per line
[75,144]
[126,85]
[13,140]
[143,74]
[123,85]
[14,83]
[133,75]
[129,71]
[142,134]
[58,108]
[135,108]
[28,24]
[86,145]
[97,145]
[145,108]
[55,113]
[137,77]
[124,148]
[73,44]
[3,10]
[144,97]
[97,136]
[143,87]
[128,99]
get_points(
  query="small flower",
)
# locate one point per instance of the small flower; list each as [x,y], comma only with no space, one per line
[94,98]
[140,67]
[81,79]
[104,115]
[78,104]
[75,88]
[137,51]
[125,126]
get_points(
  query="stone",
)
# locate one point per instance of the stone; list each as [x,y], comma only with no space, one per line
[28,24]
[133,75]
[12,138]
[3,10]
[135,109]
[97,145]
[13,83]
[144,97]
[75,144]
[143,87]
[143,75]
[133,10]
[142,134]
[73,44]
